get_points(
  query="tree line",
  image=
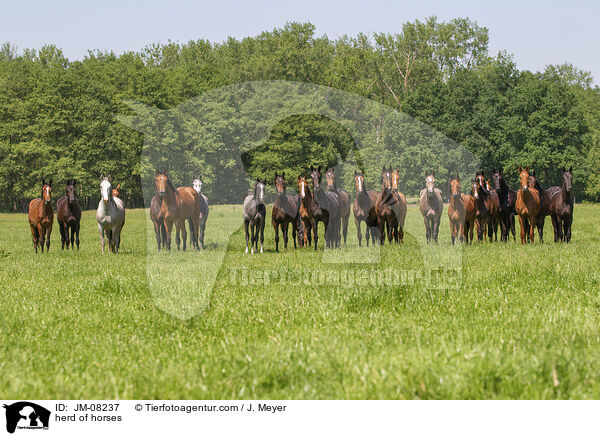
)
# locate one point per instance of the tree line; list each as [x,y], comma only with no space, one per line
[59,118]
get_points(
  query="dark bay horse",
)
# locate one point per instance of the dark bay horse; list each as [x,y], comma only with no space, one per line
[487,206]
[330,202]
[364,209]
[255,213]
[558,202]
[507,198]
[157,219]
[431,206]
[41,217]
[285,211]
[344,199]
[178,205]
[528,205]
[68,215]
[400,206]
[386,207]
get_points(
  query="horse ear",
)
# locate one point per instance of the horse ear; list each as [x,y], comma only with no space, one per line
[527,168]
[457,176]
[520,168]
[571,170]
[50,183]
[118,186]
[433,173]
[564,170]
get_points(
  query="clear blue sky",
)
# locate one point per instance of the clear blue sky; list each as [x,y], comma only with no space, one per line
[538,33]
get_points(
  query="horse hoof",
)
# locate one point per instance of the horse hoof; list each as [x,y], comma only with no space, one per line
[246,250]
[261,250]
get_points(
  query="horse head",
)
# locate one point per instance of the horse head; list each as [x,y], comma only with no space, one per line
[71,198]
[455,186]
[161,180]
[315,175]
[395,180]
[567,179]
[105,188]
[359,181]
[280,183]
[495,176]
[475,187]
[116,191]
[259,190]
[47,191]
[524,178]
[430,182]
[303,186]
[386,179]
[197,184]
[330,177]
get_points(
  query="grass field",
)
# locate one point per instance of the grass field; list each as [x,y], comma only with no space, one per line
[523,324]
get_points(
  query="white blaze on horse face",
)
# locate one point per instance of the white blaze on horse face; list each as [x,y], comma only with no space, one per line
[261,192]
[198,185]
[105,190]
[360,184]
[476,190]
[48,193]
[302,191]
[429,182]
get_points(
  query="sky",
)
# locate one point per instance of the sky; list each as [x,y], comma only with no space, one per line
[537,33]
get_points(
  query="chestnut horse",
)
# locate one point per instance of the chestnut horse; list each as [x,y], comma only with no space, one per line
[528,205]
[400,206]
[178,205]
[431,207]
[364,209]
[310,212]
[461,212]
[41,217]
[285,211]
[344,199]
[68,215]
[117,191]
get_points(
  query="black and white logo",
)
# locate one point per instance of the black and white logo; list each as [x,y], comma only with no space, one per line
[26,415]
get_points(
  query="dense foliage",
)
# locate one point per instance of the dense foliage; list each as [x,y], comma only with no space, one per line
[58,117]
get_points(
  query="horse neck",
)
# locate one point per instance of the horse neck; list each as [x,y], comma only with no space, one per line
[456,201]
[280,197]
[565,195]
[47,208]
[171,196]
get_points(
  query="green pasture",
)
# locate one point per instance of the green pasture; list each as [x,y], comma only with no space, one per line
[523,323]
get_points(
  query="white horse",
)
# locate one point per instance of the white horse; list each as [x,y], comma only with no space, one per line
[203,209]
[110,216]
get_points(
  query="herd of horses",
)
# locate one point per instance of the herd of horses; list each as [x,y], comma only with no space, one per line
[491,205]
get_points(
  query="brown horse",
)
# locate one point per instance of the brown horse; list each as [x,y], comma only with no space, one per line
[41,217]
[487,207]
[457,212]
[431,207]
[400,206]
[285,211]
[330,202]
[558,202]
[364,209]
[178,205]
[68,215]
[507,198]
[344,199]
[159,223]
[528,205]
[385,207]
[310,212]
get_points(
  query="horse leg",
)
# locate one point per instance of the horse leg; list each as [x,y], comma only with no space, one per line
[358,233]
[191,224]
[436,228]
[558,230]
[315,229]
[555,224]
[522,223]
[461,231]
[63,228]
[284,232]
[34,236]
[253,236]
[532,226]
[101,231]
[567,228]
[294,231]
[116,240]
[326,232]
[168,229]
[261,227]
[42,233]
[246,225]
[276,225]
[345,227]
[183,234]
[157,230]
[77,234]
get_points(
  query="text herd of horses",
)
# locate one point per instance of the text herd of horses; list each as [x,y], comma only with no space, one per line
[491,205]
